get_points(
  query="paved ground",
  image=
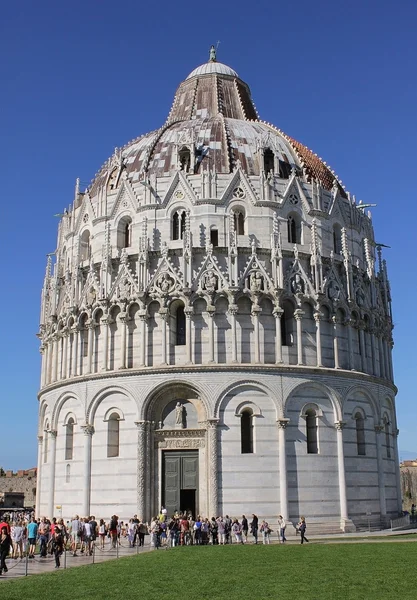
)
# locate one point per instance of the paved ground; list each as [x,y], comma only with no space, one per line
[20,568]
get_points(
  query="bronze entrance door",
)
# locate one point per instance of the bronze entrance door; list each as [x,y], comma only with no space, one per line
[180,481]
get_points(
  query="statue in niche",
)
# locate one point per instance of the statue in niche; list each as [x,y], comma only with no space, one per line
[297,284]
[180,416]
[124,288]
[91,296]
[334,291]
[164,283]
[256,281]
[210,281]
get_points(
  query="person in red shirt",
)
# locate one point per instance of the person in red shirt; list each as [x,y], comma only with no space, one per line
[5,523]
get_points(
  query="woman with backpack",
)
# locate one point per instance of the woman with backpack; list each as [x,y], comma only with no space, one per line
[302,529]
[266,531]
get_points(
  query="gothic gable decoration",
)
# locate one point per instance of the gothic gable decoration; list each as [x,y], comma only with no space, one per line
[255,280]
[86,215]
[91,289]
[125,286]
[126,199]
[210,279]
[333,287]
[239,188]
[179,189]
[294,196]
[167,279]
[296,280]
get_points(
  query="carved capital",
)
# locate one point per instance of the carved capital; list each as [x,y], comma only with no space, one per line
[212,423]
[188,312]
[282,423]
[317,316]
[40,439]
[298,314]
[379,428]
[233,309]
[339,425]
[278,312]
[87,429]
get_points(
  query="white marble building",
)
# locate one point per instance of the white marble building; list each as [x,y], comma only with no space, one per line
[219,264]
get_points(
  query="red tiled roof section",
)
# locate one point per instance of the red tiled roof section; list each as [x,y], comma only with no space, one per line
[314,166]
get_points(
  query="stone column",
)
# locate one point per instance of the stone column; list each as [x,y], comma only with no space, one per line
[391,370]
[381,472]
[88,439]
[42,350]
[46,366]
[373,350]
[188,335]
[105,325]
[255,314]
[335,322]
[317,318]
[123,323]
[143,319]
[163,313]
[39,479]
[142,467]
[64,354]
[350,345]
[75,342]
[52,454]
[283,484]
[278,312]
[397,471]
[363,348]
[233,312]
[298,315]
[90,346]
[213,503]
[55,358]
[342,476]
[381,356]
[211,311]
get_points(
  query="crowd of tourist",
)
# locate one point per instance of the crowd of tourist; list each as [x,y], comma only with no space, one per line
[20,534]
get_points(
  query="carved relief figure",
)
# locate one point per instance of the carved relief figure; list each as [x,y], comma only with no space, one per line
[297,284]
[165,283]
[256,281]
[334,291]
[209,282]
[180,417]
[91,296]
[124,289]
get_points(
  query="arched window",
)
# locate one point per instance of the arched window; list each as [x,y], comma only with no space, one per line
[239,219]
[246,432]
[184,157]
[180,326]
[69,439]
[360,434]
[387,438]
[287,324]
[67,473]
[85,245]
[269,161]
[311,431]
[337,239]
[294,229]
[214,236]
[178,225]
[127,235]
[284,169]
[113,427]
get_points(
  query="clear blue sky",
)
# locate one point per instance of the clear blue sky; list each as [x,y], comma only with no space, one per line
[79,78]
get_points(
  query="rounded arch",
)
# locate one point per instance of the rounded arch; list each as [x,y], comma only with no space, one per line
[248,406]
[241,386]
[124,226]
[101,395]
[62,399]
[311,407]
[173,390]
[70,418]
[332,395]
[359,389]
[43,409]
[114,410]
[357,413]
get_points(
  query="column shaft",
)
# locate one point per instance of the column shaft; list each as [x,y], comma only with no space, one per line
[64,356]
[52,461]
[210,313]
[90,348]
[336,344]
[255,315]
[362,349]
[317,317]
[283,484]
[350,346]
[381,472]
[143,319]
[105,349]
[55,360]
[232,313]
[39,479]
[298,314]
[123,325]
[75,342]
[163,313]
[141,469]
[213,502]
[188,335]
[341,469]
[88,438]
[278,336]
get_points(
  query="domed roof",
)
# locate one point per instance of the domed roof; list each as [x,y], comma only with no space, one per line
[212,67]
[213,112]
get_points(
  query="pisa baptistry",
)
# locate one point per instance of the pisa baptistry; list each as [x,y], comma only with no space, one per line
[216,330]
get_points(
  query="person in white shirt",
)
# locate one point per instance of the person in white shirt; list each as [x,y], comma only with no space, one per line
[282,525]
[17,535]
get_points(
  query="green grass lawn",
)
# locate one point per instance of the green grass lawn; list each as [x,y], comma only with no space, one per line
[311,572]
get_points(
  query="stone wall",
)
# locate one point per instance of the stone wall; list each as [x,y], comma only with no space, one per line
[408,470]
[20,482]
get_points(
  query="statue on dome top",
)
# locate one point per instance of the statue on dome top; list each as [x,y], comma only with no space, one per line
[213,54]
